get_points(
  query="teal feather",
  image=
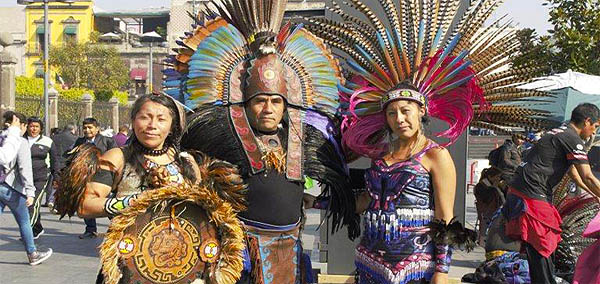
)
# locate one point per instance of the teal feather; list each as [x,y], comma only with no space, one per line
[454,84]
[453,73]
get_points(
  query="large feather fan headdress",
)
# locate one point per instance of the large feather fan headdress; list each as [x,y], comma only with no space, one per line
[460,69]
[238,49]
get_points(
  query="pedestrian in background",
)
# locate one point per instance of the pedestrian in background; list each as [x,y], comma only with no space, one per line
[91,129]
[45,168]
[63,141]
[507,157]
[528,209]
[16,188]
[122,136]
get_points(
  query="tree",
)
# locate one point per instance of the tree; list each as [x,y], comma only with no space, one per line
[535,51]
[84,65]
[107,70]
[71,61]
[574,41]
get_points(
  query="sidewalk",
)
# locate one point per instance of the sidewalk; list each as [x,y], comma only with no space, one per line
[463,263]
[73,261]
[76,261]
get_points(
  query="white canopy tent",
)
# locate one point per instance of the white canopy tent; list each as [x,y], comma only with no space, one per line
[570,89]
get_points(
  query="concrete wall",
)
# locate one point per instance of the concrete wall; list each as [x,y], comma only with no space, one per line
[12,20]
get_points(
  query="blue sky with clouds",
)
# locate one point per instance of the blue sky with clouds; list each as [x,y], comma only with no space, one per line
[528,13]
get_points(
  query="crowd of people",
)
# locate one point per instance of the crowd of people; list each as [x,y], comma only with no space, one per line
[208,183]
[31,169]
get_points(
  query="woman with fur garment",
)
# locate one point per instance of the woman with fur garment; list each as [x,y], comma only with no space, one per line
[169,218]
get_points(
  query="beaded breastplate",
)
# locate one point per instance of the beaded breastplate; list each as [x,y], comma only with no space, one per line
[132,183]
[402,197]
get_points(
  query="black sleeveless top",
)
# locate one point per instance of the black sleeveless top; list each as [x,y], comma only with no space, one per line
[273,199]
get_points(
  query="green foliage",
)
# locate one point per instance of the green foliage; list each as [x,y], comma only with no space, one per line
[74,94]
[34,88]
[106,70]
[94,36]
[30,87]
[535,51]
[105,96]
[122,96]
[161,31]
[92,66]
[574,41]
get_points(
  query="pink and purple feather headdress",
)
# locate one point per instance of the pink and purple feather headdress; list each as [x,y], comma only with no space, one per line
[460,69]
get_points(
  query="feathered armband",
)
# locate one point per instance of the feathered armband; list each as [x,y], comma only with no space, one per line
[453,234]
[448,236]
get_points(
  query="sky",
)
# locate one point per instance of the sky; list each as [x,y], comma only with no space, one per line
[528,13]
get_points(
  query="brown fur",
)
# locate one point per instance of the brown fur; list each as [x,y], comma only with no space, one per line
[82,165]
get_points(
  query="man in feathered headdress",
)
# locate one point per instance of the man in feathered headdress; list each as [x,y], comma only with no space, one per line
[264,97]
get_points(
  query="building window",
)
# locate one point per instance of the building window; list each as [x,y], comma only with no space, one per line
[70,34]
[70,26]
[41,40]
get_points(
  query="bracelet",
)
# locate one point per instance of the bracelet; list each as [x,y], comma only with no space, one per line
[113,206]
[443,257]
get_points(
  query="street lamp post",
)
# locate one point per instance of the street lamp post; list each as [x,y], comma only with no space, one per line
[46,56]
[151,37]
[150,71]
[46,70]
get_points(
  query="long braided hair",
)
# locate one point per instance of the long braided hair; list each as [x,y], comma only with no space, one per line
[133,152]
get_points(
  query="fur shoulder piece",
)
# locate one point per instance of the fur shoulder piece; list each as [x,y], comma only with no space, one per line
[82,164]
[224,178]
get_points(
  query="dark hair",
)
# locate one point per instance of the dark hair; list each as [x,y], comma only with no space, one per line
[123,128]
[8,116]
[584,111]
[35,119]
[407,84]
[69,127]
[133,152]
[90,120]
[54,130]
[490,172]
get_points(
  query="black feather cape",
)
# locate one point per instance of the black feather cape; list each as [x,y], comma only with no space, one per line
[211,131]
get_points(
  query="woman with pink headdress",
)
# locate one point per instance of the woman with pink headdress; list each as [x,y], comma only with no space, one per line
[404,72]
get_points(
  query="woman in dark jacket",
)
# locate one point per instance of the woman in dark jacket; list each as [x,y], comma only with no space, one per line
[44,155]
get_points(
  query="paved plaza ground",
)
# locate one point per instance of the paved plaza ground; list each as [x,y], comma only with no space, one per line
[76,261]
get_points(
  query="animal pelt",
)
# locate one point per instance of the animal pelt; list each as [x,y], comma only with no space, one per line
[453,234]
[224,178]
[221,214]
[82,163]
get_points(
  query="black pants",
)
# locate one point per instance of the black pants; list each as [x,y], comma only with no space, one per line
[34,210]
[90,225]
[541,269]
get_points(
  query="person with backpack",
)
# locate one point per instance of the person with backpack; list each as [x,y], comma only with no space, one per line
[16,187]
[507,157]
